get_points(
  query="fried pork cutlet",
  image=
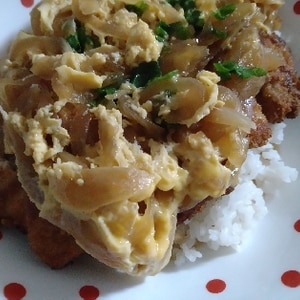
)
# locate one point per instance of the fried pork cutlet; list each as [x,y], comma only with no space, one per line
[278,99]
[280,95]
[262,132]
[52,92]
[54,246]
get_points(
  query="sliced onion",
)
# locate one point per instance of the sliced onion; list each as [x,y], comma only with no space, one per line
[231,117]
[154,130]
[76,119]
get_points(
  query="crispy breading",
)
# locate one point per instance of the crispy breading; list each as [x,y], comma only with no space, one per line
[261,134]
[12,198]
[278,99]
[53,246]
[280,95]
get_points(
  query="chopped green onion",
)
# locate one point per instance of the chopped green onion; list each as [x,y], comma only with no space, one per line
[106,90]
[227,68]
[166,76]
[177,29]
[80,41]
[161,31]
[191,13]
[74,42]
[102,92]
[180,31]
[139,8]
[193,17]
[224,11]
[148,72]
[145,72]
[218,33]
[185,4]
[245,73]
[188,4]
[224,69]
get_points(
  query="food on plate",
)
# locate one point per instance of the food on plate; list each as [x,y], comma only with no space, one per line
[125,119]
[53,245]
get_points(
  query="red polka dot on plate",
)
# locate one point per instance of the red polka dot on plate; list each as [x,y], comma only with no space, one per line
[27,3]
[297,8]
[14,291]
[89,292]
[291,278]
[297,225]
[216,286]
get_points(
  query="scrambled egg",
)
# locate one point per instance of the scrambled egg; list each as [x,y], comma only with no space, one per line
[115,173]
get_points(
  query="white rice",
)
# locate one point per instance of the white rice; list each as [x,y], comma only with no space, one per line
[228,221]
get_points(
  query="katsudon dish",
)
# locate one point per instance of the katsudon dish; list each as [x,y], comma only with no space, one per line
[130,129]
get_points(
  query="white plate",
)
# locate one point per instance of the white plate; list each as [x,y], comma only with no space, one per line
[267,269]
